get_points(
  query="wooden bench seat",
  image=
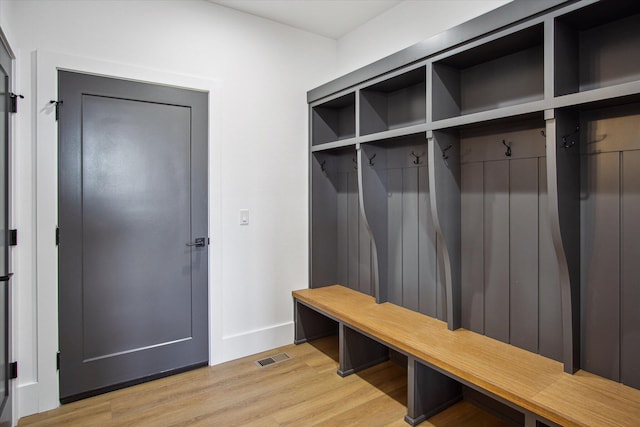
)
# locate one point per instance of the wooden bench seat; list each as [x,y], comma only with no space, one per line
[529,382]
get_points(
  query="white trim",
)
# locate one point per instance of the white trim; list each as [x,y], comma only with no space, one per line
[47,65]
[257,341]
[5,43]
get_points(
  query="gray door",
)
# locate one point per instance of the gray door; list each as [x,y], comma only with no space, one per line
[132,232]
[5,276]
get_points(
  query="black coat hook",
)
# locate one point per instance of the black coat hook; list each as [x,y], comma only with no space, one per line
[416,160]
[444,152]
[508,152]
[371,159]
[324,162]
[565,138]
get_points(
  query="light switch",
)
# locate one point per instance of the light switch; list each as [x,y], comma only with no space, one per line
[244,216]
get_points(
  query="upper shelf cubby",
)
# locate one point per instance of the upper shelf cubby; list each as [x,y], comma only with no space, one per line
[597,46]
[503,72]
[394,103]
[334,120]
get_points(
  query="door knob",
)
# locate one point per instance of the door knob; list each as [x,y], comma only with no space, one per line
[198,243]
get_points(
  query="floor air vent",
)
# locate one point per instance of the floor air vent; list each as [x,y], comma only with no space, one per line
[273,359]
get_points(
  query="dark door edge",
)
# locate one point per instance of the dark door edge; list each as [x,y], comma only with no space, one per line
[107,389]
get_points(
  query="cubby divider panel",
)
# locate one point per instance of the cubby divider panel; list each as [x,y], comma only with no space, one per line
[397,206]
[334,120]
[397,102]
[340,241]
[597,46]
[504,72]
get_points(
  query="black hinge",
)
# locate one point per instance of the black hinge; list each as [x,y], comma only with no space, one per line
[57,104]
[58,361]
[13,237]
[13,370]
[57,236]
[13,102]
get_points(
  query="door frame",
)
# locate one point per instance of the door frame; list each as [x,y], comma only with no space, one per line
[46,390]
[12,301]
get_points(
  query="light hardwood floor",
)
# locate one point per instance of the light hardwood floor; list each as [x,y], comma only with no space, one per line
[302,391]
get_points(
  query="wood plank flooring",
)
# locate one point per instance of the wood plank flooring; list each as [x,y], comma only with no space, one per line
[302,391]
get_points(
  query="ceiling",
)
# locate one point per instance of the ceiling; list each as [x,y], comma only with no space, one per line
[329,18]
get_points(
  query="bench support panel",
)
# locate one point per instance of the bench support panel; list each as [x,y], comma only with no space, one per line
[429,392]
[311,325]
[358,352]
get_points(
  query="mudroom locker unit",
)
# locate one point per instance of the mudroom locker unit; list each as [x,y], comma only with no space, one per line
[489,177]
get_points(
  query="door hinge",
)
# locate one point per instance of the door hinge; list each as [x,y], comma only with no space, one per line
[57,106]
[13,237]
[13,370]
[13,102]
[57,361]
[57,236]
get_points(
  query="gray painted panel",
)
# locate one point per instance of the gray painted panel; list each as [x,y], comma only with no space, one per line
[373,112]
[358,352]
[496,249]
[609,54]
[325,226]
[472,252]
[510,80]
[394,227]
[565,59]
[353,232]
[364,258]
[550,314]
[127,174]
[410,254]
[525,139]
[446,92]
[374,200]
[630,271]
[600,266]
[523,242]
[407,106]
[429,392]
[342,236]
[427,247]
[444,176]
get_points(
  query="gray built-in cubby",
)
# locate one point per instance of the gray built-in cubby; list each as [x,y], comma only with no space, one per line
[508,276]
[601,172]
[341,246]
[394,103]
[520,218]
[500,73]
[334,120]
[397,206]
[597,46]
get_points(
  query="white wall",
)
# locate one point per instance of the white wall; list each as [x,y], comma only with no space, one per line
[262,70]
[404,25]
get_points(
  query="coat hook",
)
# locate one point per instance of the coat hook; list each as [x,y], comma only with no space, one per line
[508,152]
[565,143]
[355,163]
[417,161]
[324,162]
[371,159]
[444,152]
[543,133]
